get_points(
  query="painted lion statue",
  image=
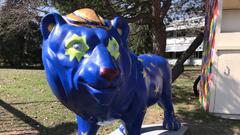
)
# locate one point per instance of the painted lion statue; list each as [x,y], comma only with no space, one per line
[92,72]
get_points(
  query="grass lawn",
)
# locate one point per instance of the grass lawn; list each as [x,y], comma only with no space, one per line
[27,106]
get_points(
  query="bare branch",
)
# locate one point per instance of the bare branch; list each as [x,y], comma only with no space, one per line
[165,7]
[139,18]
[137,6]
[178,67]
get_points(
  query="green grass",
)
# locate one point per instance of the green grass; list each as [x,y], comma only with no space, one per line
[28,106]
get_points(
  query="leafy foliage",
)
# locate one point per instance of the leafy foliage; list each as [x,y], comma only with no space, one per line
[20,35]
[140,39]
[68,6]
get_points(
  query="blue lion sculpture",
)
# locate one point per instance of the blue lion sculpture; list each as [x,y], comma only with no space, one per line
[92,72]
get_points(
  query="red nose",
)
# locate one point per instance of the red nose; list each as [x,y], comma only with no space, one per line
[109,73]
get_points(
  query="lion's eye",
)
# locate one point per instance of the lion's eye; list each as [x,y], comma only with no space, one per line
[76,47]
[113,48]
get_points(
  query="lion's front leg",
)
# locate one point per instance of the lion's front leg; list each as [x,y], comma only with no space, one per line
[85,127]
[134,115]
[133,123]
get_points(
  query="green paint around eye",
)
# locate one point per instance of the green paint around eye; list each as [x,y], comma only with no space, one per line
[76,46]
[113,48]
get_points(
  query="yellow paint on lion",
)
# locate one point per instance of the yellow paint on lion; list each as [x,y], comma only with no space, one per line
[84,133]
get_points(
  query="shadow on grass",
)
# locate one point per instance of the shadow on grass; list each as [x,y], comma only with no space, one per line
[180,95]
[58,129]
[195,118]
[200,122]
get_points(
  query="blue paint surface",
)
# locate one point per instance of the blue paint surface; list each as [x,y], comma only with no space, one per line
[100,87]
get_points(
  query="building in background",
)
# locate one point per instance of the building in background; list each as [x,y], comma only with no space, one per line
[180,35]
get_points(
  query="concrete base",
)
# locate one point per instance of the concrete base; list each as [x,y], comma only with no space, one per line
[155,129]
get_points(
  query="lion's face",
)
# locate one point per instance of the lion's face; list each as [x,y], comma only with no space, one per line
[83,62]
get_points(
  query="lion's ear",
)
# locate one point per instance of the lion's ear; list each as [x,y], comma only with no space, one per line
[49,22]
[121,26]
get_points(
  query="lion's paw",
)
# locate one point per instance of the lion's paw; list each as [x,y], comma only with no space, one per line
[171,123]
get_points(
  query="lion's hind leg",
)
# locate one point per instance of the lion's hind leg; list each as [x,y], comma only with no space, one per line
[165,99]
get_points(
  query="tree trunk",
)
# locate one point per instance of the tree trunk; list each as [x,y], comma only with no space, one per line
[159,39]
[179,67]
[158,29]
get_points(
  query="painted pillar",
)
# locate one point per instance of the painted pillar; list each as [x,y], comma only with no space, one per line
[208,53]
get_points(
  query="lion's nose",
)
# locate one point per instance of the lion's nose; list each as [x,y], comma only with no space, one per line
[109,73]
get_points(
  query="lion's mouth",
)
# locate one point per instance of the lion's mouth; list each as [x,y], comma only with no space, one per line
[107,86]
[103,96]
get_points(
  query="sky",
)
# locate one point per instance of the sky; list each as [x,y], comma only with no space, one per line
[1,2]
[49,8]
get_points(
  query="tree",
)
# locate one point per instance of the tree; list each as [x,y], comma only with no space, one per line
[19,33]
[140,40]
